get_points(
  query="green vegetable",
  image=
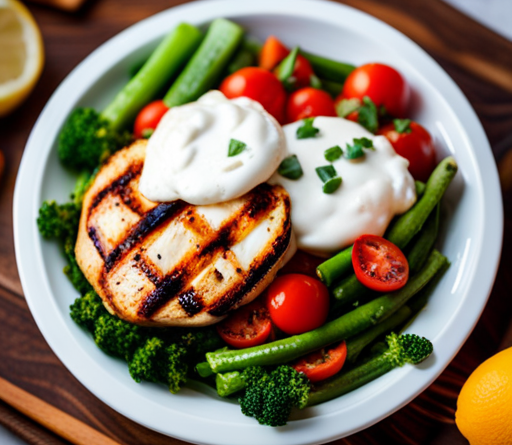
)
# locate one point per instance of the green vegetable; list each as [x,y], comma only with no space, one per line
[270,397]
[333,88]
[236,147]
[306,130]
[352,323]
[424,241]
[332,154]
[327,68]
[355,150]
[335,267]
[329,177]
[331,185]
[207,64]
[243,58]
[284,70]
[157,355]
[402,349]
[410,223]
[89,137]
[368,116]
[402,125]
[290,168]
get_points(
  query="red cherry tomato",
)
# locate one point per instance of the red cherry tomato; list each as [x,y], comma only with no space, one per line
[297,303]
[321,365]
[248,326]
[148,118]
[257,84]
[384,85]
[309,102]
[379,264]
[416,145]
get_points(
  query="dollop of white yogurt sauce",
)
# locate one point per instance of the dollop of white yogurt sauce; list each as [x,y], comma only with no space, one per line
[374,188]
[187,155]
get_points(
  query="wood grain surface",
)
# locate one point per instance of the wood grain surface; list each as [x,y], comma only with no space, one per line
[478,60]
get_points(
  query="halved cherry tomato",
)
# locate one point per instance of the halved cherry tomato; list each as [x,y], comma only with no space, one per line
[297,303]
[415,144]
[384,85]
[272,52]
[148,118]
[248,326]
[309,102]
[321,365]
[379,264]
[257,84]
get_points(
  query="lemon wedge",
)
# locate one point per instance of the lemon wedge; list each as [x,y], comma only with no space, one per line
[21,54]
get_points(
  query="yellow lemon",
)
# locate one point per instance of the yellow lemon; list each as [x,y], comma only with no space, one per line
[21,54]
[484,406]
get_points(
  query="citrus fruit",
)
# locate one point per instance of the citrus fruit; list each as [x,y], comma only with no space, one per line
[21,54]
[484,406]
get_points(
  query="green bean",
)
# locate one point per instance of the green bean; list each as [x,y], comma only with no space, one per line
[425,241]
[346,326]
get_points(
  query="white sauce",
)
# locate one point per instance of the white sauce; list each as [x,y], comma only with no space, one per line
[374,188]
[187,155]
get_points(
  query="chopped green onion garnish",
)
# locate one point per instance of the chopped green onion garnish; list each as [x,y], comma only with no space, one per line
[333,153]
[147,132]
[236,147]
[332,185]
[347,106]
[326,172]
[290,168]
[315,82]
[307,130]
[356,150]
[367,115]
[402,125]
[285,69]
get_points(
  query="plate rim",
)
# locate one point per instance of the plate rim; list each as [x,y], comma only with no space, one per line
[22,210]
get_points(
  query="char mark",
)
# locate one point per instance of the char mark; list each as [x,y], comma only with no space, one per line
[166,290]
[224,304]
[151,220]
[191,303]
[116,187]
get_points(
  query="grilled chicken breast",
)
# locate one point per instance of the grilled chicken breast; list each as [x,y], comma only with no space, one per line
[176,264]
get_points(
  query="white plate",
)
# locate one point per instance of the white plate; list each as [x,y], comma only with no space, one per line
[471,238]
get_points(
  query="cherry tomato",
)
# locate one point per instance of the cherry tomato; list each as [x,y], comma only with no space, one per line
[148,118]
[384,85]
[416,145]
[379,264]
[257,84]
[321,365]
[248,326]
[309,102]
[297,303]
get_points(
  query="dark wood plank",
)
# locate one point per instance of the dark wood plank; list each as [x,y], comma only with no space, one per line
[28,362]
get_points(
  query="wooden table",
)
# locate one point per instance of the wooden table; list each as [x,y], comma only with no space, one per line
[478,60]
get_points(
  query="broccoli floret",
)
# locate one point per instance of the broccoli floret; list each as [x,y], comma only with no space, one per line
[157,362]
[117,337]
[270,397]
[86,310]
[87,139]
[408,348]
[58,221]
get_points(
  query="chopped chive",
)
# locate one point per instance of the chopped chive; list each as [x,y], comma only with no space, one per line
[287,65]
[307,130]
[356,150]
[333,153]
[236,147]
[315,82]
[402,125]
[367,115]
[290,168]
[332,185]
[347,106]
[326,172]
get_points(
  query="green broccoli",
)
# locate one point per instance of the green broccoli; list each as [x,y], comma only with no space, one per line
[155,361]
[401,349]
[270,397]
[156,355]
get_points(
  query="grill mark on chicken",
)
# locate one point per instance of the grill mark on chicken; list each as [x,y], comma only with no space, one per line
[151,220]
[116,187]
[224,304]
[261,201]
[191,302]
[170,285]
